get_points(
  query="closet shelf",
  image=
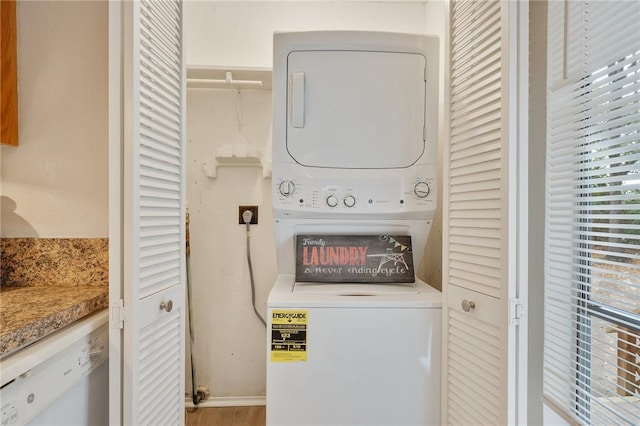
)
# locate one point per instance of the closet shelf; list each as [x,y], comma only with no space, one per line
[206,77]
[234,156]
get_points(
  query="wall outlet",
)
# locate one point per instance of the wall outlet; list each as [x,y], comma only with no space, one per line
[254,217]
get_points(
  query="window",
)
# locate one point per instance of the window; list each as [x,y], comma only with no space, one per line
[592,240]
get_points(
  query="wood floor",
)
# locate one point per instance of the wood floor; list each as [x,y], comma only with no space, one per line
[226,416]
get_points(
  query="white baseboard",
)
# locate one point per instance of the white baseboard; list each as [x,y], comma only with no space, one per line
[228,401]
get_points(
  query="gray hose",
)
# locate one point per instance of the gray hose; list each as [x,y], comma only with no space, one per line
[253,285]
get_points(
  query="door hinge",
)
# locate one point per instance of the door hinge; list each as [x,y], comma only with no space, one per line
[117,314]
[516,311]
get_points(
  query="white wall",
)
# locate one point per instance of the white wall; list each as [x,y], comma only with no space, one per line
[431,267]
[241,33]
[230,343]
[55,183]
[537,158]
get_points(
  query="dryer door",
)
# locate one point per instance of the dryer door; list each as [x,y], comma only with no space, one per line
[356,109]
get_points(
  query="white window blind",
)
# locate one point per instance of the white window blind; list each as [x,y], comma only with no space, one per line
[592,241]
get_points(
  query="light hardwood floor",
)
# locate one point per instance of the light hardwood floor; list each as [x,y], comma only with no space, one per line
[226,416]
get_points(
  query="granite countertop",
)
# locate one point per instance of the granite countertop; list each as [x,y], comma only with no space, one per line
[29,313]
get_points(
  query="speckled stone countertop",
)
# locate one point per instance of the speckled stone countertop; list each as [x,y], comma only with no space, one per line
[28,314]
[47,284]
[59,262]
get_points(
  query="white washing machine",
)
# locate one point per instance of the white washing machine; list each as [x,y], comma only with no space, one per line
[353,336]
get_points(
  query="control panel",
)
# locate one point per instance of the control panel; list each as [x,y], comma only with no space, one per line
[355,196]
[25,396]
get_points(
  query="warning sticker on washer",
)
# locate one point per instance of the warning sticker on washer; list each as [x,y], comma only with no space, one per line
[289,335]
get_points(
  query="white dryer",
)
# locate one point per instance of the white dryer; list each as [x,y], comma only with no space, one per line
[354,157]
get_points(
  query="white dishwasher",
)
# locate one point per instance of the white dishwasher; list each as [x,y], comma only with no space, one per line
[60,380]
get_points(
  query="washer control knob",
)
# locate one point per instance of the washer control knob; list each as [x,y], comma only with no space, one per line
[422,189]
[349,201]
[287,188]
[332,201]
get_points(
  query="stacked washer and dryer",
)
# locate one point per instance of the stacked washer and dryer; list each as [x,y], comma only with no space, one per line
[354,337]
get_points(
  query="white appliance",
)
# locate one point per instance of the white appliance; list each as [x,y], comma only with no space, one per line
[62,379]
[354,154]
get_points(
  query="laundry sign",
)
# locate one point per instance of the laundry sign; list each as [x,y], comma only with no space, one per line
[354,259]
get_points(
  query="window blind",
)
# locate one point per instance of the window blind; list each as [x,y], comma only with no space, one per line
[592,223]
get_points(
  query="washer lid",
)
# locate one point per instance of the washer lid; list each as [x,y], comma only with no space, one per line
[356,109]
[288,294]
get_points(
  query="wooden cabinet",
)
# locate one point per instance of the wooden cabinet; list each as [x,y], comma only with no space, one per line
[9,73]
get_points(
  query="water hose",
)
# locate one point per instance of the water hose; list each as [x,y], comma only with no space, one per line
[246,216]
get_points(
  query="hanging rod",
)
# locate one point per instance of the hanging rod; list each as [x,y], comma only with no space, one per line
[228,81]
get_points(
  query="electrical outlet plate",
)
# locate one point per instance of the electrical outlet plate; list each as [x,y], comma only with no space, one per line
[254,218]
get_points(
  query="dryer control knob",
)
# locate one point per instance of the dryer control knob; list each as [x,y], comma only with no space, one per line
[349,201]
[287,188]
[422,189]
[332,201]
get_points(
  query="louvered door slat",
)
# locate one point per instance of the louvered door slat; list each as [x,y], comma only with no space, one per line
[487,95]
[471,20]
[156,51]
[162,90]
[473,97]
[469,188]
[489,262]
[162,102]
[481,139]
[479,267]
[478,54]
[466,381]
[162,234]
[474,250]
[475,369]
[158,142]
[476,156]
[154,117]
[469,73]
[468,280]
[468,130]
[159,171]
[477,113]
[488,168]
[479,194]
[475,70]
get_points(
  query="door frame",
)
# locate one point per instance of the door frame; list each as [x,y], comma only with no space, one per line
[116,281]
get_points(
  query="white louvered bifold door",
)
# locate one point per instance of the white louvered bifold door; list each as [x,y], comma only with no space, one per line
[154,258]
[479,211]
